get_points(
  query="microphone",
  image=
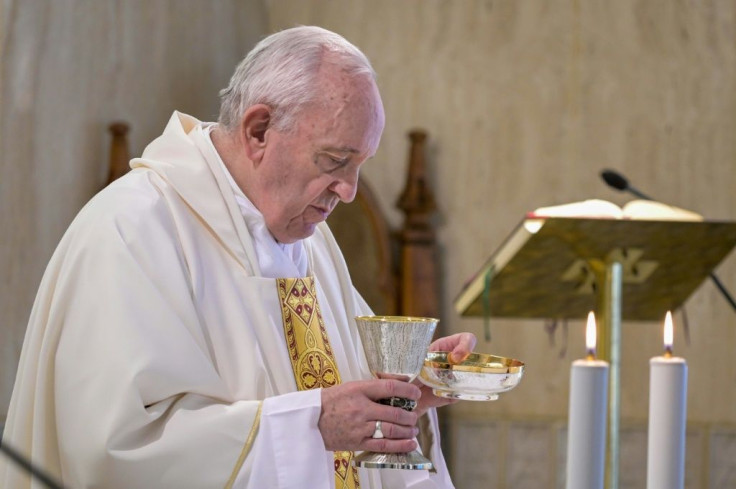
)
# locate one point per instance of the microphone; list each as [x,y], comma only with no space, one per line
[619,182]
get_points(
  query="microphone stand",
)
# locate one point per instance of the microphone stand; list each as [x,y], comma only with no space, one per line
[723,290]
[28,466]
[623,185]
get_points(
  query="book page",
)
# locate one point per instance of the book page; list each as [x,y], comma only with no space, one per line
[635,209]
[657,211]
[586,208]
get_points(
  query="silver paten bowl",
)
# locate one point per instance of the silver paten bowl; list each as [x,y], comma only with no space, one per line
[479,377]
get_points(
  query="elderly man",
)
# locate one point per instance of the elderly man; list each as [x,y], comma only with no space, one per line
[195,326]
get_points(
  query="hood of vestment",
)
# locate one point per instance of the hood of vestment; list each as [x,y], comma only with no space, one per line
[186,161]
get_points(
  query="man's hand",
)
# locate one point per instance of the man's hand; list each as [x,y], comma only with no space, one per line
[460,345]
[350,411]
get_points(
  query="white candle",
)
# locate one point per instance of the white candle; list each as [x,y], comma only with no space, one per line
[586,432]
[667,414]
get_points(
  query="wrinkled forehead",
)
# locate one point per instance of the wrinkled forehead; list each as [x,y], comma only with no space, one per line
[349,106]
[368,107]
[339,86]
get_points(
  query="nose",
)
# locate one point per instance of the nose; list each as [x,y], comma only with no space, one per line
[346,186]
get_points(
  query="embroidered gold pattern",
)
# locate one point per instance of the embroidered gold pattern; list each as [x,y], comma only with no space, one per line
[311,355]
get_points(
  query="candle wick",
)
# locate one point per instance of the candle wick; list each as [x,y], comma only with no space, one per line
[590,355]
[668,351]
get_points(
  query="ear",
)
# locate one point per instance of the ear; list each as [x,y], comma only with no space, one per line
[253,129]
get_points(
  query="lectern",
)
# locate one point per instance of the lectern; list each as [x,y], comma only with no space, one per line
[562,267]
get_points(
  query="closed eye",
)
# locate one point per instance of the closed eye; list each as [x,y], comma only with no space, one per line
[339,163]
[329,163]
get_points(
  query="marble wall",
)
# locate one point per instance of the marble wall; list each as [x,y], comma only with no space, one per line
[69,68]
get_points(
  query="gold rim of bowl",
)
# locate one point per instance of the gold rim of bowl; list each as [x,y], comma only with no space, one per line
[405,319]
[476,362]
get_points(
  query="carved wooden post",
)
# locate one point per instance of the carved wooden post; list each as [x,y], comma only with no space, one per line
[418,272]
[119,154]
[418,269]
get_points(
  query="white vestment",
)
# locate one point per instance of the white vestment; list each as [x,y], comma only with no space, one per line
[155,353]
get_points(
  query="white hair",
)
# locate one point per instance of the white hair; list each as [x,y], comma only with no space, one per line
[280,72]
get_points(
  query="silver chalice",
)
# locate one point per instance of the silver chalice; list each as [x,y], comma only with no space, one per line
[395,347]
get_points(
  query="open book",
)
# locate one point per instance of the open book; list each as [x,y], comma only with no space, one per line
[470,300]
[635,209]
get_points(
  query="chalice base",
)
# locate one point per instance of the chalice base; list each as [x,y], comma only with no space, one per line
[465,396]
[406,461]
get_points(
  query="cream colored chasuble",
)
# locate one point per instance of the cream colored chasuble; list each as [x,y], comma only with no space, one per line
[155,354]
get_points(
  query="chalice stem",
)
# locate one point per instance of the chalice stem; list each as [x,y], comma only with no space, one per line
[400,402]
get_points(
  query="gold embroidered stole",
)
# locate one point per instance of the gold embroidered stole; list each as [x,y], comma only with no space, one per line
[311,355]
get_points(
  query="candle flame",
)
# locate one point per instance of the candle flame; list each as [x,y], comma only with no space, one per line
[668,333]
[590,335]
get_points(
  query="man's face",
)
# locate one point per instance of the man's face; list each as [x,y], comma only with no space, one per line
[305,172]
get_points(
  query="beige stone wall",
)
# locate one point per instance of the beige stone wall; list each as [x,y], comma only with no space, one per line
[69,69]
[525,102]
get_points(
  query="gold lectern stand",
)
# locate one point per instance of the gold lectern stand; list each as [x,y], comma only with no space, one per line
[624,269]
